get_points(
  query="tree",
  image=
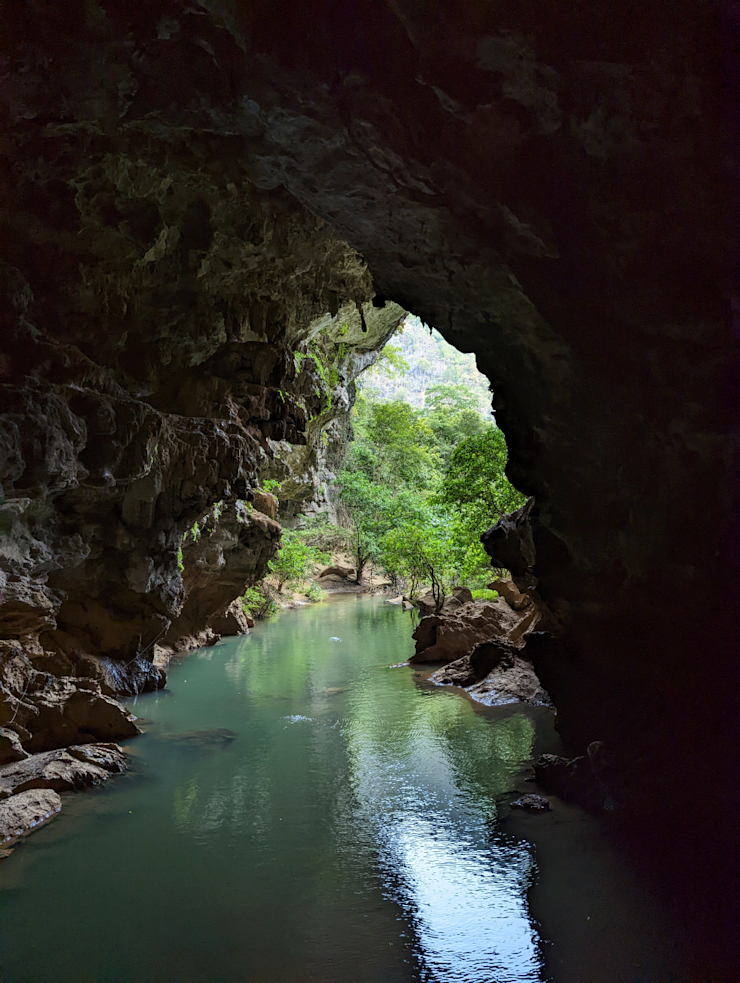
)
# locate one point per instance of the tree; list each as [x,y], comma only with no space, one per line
[368,506]
[477,492]
[404,442]
[290,563]
[419,552]
[450,397]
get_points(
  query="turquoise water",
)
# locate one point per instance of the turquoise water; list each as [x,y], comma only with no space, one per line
[345,834]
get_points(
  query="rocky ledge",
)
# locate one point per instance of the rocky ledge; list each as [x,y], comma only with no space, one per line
[484,645]
[29,789]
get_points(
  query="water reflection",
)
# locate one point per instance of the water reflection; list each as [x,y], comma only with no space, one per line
[344,835]
[465,895]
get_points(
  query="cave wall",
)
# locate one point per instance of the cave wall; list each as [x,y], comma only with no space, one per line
[188,186]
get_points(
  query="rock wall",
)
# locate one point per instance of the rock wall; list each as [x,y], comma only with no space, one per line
[334,353]
[187,187]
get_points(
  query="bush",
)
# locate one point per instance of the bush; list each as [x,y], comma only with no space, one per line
[484,595]
[258,602]
[315,593]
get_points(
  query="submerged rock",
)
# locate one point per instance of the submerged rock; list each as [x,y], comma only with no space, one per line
[532,802]
[217,737]
[26,811]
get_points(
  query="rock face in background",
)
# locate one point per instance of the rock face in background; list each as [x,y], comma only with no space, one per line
[189,187]
[348,345]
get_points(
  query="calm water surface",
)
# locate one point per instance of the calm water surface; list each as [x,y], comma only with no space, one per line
[345,835]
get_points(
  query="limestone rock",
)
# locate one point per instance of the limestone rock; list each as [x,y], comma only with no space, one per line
[56,710]
[233,621]
[515,684]
[445,638]
[338,572]
[511,593]
[554,191]
[11,748]
[495,672]
[509,543]
[266,503]
[483,658]
[427,603]
[64,770]
[26,811]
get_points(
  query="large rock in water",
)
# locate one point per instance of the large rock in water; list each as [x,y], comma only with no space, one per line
[495,672]
[24,812]
[64,770]
[447,637]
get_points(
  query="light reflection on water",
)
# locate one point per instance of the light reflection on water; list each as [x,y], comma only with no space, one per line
[346,834]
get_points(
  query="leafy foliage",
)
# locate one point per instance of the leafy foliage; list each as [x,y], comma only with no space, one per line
[291,563]
[258,602]
[420,486]
[476,493]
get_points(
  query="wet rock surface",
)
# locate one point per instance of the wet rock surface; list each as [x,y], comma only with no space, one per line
[531,802]
[63,770]
[495,672]
[48,711]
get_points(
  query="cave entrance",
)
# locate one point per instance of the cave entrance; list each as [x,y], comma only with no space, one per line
[404,466]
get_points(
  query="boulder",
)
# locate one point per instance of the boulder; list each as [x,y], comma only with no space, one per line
[511,593]
[11,748]
[338,571]
[517,683]
[64,770]
[479,662]
[447,637]
[266,503]
[232,621]
[495,673]
[428,605]
[24,812]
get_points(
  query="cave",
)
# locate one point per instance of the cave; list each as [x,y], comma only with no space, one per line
[190,188]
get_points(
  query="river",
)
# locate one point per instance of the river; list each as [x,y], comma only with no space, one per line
[347,833]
